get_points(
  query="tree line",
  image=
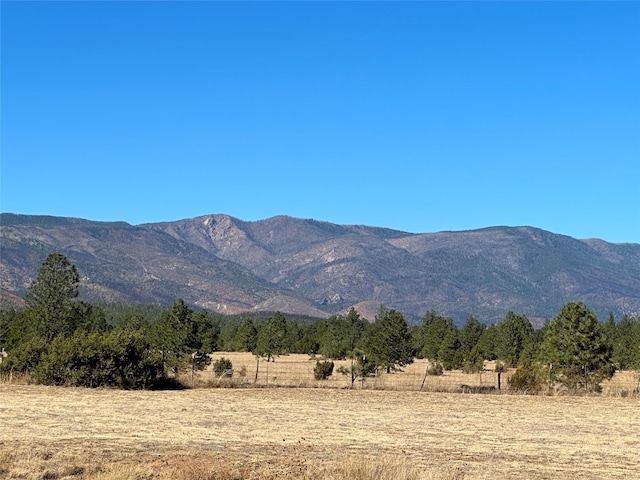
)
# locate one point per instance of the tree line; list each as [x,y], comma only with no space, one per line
[60,340]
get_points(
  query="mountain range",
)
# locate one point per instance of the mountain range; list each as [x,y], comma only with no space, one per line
[312,268]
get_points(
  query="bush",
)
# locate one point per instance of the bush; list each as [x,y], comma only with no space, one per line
[527,379]
[25,357]
[200,361]
[436,369]
[121,358]
[323,370]
[223,367]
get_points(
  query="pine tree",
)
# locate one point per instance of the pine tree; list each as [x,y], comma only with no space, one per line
[513,334]
[172,334]
[270,341]
[246,337]
[449,353]
[576,349]
[470,334]
[626,345]
[390,344]
[433,331]
[51,297]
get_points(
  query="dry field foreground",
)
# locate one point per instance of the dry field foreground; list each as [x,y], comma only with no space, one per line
[265,433]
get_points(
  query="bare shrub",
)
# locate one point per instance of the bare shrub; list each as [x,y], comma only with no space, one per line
[477,388]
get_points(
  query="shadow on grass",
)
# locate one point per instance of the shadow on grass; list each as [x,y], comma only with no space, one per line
[166,383]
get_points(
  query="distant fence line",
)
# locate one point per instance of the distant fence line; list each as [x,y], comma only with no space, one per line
[297,370]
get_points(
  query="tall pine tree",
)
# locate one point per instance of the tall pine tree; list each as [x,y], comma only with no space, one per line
[52,297]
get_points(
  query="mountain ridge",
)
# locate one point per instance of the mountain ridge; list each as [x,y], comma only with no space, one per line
[315,268]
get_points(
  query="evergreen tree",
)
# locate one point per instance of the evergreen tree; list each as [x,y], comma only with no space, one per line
[361,366]
[89,318]
[309,342]
[626,344]
[172,334]
[450,354]
[25,356]
[16,327]
[609,329]
[129,320]
[204,333]
[271,336]
[513,334]
[332,342]
[470,334]
[121,358]
[51,297]
[246,337]
[473,361]
[292,335]
[433,332]
[7,318]
[390,344]
[356,326]
[576,349]
[487,343]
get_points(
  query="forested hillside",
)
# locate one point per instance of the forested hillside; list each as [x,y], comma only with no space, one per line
[306,267]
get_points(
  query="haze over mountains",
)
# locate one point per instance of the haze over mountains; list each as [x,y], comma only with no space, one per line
[307,267]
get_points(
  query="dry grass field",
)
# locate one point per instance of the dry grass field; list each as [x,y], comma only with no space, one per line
[324,432]
[297,371]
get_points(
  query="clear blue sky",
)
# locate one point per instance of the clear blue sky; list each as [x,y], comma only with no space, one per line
[418,116]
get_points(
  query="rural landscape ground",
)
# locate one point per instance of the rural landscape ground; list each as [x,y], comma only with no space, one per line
[313,433]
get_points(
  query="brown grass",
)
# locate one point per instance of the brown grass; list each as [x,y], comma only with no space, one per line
[314,433]
[297,371]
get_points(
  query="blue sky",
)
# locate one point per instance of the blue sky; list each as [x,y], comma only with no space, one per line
[418,116]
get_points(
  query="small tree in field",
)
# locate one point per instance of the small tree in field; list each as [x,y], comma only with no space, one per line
[323,370]
[270,340]
[223,367]
[361,367]
[198,361]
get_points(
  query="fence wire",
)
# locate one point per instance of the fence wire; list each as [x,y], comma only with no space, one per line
[298,371]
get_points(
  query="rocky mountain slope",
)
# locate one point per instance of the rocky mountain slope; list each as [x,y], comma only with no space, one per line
[315,268]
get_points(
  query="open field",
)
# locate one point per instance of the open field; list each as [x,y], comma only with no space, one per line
[268,433]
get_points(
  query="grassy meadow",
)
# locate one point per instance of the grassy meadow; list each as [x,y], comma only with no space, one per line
[313,433]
